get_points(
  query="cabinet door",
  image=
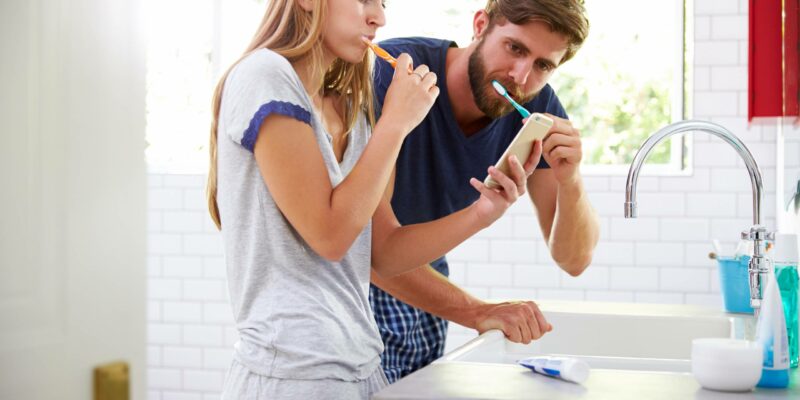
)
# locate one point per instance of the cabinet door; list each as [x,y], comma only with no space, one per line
[773,59]
[72,195]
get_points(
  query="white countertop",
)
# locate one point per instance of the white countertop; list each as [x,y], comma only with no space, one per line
[456,378]
[461,380]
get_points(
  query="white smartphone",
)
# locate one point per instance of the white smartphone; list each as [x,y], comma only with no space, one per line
[536,128]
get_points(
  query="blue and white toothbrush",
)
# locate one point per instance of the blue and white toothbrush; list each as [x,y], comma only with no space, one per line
[503,92]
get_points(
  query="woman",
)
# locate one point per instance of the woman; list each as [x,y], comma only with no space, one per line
[296,188]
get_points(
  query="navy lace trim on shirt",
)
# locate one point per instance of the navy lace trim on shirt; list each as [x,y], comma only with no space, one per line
[273,107]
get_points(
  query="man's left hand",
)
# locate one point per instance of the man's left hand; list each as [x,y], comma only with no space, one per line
[562,150]
[520,321]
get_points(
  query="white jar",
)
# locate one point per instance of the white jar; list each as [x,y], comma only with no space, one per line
[728,365]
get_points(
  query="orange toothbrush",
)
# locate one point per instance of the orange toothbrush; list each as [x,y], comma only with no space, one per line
[384,54]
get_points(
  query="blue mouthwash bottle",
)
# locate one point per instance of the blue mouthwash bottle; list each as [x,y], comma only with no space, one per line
[785,258]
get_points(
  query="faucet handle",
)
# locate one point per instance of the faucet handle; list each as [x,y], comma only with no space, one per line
[758,232]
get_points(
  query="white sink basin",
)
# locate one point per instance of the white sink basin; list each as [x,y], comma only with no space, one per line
[617,336]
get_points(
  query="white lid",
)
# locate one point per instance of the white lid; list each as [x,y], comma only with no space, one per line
[785,248]
[578,371]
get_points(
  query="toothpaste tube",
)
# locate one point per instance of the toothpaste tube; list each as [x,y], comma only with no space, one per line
[568,369]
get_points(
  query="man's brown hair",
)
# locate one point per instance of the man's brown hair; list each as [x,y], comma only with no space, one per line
[567,17]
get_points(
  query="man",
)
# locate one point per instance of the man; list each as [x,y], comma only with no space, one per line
[519,43]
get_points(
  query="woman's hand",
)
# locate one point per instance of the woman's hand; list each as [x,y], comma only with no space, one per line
[410,96]
[493,203]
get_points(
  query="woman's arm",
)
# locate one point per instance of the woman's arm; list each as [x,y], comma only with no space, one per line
[397,249]
[291,164]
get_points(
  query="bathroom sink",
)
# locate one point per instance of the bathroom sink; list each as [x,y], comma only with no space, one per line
[620,336]
[493,348]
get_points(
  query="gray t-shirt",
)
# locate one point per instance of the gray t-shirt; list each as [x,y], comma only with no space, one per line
[298,315]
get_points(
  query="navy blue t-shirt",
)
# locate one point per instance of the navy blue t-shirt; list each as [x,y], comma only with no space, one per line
[437,159]
[434,167]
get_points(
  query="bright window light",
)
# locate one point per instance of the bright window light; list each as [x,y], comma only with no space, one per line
[627,81]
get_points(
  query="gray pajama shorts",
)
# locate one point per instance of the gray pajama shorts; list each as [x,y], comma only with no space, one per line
[243,384]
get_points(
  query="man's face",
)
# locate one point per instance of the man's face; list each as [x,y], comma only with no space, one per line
[521,57]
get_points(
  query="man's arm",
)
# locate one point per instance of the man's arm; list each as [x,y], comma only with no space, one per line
[430,291]
[566,217]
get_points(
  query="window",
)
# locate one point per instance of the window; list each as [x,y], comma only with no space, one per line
[626,82]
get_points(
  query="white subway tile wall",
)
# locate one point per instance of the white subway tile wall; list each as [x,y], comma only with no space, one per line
[660,257]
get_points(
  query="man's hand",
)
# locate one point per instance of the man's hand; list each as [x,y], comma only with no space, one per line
[520,321]
[562,150]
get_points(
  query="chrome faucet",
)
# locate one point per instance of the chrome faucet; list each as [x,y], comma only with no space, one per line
[759,265]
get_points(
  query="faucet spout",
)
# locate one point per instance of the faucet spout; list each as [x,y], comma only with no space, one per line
[758,267]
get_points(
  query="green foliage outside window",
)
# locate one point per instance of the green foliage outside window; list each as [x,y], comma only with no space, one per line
[613,131]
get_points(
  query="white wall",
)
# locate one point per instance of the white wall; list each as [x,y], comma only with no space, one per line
[659,258]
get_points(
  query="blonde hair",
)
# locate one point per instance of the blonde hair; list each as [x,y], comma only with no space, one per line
[296,34]
[567,17]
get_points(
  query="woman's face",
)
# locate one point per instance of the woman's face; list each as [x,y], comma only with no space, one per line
[348,22]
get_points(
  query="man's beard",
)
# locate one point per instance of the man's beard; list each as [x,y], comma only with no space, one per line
[490,103]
